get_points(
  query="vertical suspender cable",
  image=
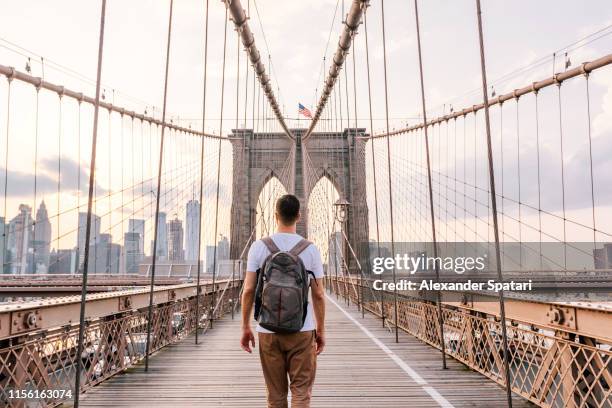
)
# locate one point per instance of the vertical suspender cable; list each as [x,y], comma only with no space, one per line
[431,201]
[502,310]
[202,174]
[159,176]
[92,174]
[382,13]
[365,29]
[588,106]
[6,156]
[237,115]
[360,294]
[212,306]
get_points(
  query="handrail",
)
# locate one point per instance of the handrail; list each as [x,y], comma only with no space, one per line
[23,317]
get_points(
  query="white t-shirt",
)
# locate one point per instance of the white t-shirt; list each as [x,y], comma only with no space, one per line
[285,241]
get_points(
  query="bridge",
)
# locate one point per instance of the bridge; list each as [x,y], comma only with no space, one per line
[516,178]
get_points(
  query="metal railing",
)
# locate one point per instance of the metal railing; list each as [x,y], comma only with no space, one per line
[38,340]
[560,353]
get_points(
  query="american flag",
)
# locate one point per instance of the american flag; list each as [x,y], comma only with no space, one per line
[304,111]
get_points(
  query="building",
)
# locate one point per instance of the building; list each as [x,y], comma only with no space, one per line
[106,258]
[223,252]
[131,252]
[161,251]
[63,261]
[18,242]
[138,226]
[603,257]
[94,236]
[192,230]
[41,240]
[175,240]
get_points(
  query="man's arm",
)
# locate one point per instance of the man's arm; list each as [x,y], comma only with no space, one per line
[247,339]
[318,303]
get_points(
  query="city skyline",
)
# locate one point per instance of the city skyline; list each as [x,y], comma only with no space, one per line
[26,243]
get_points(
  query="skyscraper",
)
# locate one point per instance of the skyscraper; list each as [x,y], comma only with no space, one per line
[62,261]
[19,236]
[175,240]
[162,238]
[131,251]
[94,237]
[192,224]
[138,226]
[222,251]
[107,256]
[41,240]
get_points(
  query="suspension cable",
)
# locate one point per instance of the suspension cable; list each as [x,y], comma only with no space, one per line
[430,188]
[205,82]
[384,42]
[248,40]
[157,198]
[353,19]
[375,186]
[219,169]
[502,309]
[92,174]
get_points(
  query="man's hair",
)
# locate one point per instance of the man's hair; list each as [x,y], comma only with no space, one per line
[288,209]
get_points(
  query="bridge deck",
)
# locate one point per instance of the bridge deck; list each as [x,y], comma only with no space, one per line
[354,371]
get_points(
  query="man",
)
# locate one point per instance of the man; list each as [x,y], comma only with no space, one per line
[281,354]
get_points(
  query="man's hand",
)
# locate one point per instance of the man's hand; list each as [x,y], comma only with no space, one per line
[320,342]
[248,294]
[247,340]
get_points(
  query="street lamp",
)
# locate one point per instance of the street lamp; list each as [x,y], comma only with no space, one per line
[341,209]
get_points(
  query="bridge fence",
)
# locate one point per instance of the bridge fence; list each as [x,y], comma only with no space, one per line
[550,366]
[38,356]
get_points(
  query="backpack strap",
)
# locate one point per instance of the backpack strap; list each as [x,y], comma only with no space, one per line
[270,245]
[300,247]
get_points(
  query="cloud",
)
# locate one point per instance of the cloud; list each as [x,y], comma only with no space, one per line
[21,184]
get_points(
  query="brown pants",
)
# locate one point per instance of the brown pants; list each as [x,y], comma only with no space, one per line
[293,355]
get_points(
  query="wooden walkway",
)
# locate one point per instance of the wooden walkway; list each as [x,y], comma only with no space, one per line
[356,370]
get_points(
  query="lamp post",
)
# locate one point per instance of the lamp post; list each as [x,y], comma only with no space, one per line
[341,207]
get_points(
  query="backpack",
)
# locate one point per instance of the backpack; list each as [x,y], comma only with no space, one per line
[281,297]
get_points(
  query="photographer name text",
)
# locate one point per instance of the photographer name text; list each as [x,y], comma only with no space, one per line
[430,285]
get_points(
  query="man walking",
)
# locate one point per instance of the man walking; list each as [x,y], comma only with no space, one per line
[291,330]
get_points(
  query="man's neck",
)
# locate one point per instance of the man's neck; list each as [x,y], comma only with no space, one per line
[291,229]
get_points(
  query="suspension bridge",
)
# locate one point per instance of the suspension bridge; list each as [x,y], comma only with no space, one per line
[92,314]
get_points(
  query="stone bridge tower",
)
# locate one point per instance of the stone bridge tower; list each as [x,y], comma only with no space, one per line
[260,156]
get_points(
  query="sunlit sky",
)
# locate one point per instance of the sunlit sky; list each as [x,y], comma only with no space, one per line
[295,34]
[516,34]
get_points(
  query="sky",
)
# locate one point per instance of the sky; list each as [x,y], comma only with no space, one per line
[516,34]
[296,35]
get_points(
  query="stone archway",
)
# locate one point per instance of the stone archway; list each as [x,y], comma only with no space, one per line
[337,156]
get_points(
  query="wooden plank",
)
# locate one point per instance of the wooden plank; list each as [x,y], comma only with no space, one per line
[353,372]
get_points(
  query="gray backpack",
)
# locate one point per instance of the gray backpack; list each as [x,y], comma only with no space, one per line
[281,297]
